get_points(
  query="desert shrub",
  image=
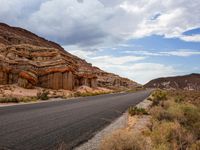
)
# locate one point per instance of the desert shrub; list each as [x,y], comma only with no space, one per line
[149,98]
[175,122]
[17,100]
[191,113]
[158,96]
[28,99]
[137,111]
[85,94]
[79,94]
[175,112]
[160,147]
[192,119]
[195,146]
[123,140]
[171,135]
[9,100]
[157,112]
[43,95]
[179,99]
[192,97]
[172,112]
[184,113]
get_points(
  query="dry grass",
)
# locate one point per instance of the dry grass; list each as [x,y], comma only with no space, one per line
[171,135]
[123,140]
[85,94]
[17,100]
[176,121]
[192,97]
[175,125]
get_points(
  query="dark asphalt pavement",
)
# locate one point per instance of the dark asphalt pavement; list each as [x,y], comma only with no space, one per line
[43,126]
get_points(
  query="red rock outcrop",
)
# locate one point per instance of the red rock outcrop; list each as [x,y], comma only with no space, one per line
[29,60]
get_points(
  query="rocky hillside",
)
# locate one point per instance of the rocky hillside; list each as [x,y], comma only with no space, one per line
[29,60]
[187,82]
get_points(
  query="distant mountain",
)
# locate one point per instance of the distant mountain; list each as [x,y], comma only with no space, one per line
[186,82]
[29,60]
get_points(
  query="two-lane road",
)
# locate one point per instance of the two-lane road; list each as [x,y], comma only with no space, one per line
[43,126]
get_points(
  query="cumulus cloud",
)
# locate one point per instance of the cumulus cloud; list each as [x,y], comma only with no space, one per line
[144,72]
[88,26]
[191,38]
[127,66]
[102,22]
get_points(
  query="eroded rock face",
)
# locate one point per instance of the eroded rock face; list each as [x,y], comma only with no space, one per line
[29,61]
[187,82]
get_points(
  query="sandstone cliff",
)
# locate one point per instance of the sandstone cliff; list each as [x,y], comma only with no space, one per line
[29,60]
[187,82]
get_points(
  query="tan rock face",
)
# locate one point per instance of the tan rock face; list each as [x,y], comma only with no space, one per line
[29,61]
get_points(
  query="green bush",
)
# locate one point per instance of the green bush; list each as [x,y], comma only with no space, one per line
[158,96]
[137,111]
[43,95]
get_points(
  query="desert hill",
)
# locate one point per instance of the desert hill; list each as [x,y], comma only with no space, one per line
[186,82]
[29,60]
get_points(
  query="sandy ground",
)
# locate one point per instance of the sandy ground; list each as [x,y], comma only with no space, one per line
[16,91]
[19,92]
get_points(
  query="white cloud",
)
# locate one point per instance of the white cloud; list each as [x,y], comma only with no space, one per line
[108,61]
[128,66]
[179,53]
[192,38]
[93,24]
[102,22]
[143,53]
[141,72]
[144,72]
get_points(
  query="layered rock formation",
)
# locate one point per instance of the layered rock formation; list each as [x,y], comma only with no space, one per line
[187,82]
[29,60]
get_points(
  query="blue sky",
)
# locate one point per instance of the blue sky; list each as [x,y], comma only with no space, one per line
[138,39]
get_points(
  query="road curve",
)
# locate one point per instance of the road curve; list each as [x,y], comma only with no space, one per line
[43,126]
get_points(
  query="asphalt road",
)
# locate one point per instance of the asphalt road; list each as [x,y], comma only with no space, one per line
[43,126]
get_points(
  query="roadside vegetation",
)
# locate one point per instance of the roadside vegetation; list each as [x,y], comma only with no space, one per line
[137,111]
[174,124]
[18,100]
[79,94]
[43,95]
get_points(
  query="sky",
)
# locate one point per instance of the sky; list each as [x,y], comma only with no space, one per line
[138,39]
